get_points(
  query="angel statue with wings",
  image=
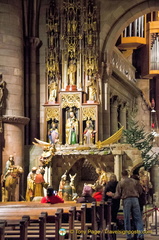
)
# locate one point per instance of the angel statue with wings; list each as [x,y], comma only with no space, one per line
[48,151]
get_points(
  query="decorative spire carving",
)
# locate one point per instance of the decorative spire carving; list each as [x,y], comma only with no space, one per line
[72,48]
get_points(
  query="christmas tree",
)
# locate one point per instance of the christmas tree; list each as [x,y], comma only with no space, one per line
[138,138]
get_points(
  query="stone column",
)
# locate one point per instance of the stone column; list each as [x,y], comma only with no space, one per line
[123,115]
[117,163]
[34,45]
[114,115]
[154,176]
[12,64]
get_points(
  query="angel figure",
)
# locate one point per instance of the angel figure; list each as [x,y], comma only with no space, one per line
[48,150]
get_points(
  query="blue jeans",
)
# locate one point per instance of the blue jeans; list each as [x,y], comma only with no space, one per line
[131,206]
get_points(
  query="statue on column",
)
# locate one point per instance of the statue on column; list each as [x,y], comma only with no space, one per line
[72,129]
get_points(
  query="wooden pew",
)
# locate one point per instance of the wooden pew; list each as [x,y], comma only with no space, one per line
[69,209]
[2,229]
[21,234]
[37,231]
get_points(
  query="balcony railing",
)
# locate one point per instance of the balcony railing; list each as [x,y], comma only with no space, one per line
[121,64]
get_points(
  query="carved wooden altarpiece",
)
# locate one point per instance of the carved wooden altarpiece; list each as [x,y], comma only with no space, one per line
[72,78]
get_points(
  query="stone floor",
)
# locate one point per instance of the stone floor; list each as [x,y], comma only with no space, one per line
[151,233]
[146,237]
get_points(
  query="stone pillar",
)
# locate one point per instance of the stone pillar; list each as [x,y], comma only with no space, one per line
[11,62]
[117,163]
[154,176]
[123,115]
[34,45]
[114,115]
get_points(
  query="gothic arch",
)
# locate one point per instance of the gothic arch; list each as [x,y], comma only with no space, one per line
[124,20]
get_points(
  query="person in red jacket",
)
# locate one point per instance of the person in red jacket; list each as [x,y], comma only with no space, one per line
[98,194]
[51,197]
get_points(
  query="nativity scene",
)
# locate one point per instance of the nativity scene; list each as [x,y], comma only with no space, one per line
[78,109]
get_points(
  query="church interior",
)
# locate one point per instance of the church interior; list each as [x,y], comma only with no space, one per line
[77,77]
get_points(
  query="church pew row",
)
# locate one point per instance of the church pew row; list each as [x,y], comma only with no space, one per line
[35,229]
[47,226]
[51,231]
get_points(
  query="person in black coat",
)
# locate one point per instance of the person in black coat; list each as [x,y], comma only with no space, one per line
[111,187]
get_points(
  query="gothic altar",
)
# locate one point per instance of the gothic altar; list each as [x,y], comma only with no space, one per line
[72,78]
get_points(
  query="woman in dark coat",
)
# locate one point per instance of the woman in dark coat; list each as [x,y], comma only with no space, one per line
[111,187]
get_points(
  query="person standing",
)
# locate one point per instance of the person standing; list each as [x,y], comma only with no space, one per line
[127,189]
[115,203]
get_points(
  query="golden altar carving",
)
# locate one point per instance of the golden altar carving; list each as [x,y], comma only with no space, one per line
[72,74]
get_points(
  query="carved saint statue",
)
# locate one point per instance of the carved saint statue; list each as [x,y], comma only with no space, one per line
[88,133]
[92,88]
[72,129]
[71,73]
[52,91]
[53,134]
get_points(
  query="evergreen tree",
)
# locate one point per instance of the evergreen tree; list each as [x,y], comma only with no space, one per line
[136,136]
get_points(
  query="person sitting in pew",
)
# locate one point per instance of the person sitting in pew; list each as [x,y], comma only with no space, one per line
[86,195]
[98,194]
[51,197]
[86,198]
